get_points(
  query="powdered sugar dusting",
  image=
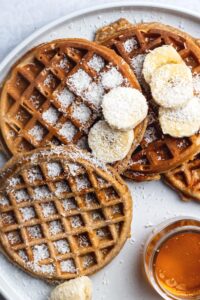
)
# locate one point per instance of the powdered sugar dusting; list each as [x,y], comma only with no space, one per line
[48,269]
[48,209]
[150,135]
[54,169]
[116,209]
[42,192]
[96,63]
[14,237]
[82,182]
[91,200]
[94,94]
[34,174]
[4,201]
[73,154]
[141,161]
[61,187]
[8,218]
[21,195]
[62,246]
[51,115]
[130,44]
[76,222]
[34,101]
[79,81]
[22,254]
[49,80]
[83,241]
[14,181]
[64,64]
[40,252]
[68,266]
[102,232]
[65,98]
[101,181]
[111,79]
[35,232]
[88,261]
[28,213]
[55,227]
[69,204]
[137,65]
[97,216]
[81,112]
[68,131]
[73,168]
[37,132]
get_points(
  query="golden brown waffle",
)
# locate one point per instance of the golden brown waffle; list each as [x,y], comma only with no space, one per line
[141,176]
[53,95]
[186,179]
[157,153]
[63,214]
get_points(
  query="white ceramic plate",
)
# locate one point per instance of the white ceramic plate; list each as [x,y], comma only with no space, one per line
[153,202]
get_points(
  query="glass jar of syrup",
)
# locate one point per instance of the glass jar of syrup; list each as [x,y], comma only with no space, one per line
[172,259]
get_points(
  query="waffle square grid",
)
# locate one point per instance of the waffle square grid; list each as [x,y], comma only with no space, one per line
[58,224]
[53,95]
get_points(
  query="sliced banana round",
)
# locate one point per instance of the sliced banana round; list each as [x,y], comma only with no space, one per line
[75,289]
[171,85]
[124,108]
[158,57]
[182,122]
[108,144]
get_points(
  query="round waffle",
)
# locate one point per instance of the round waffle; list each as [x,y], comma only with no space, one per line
[53,95]
[157,153]
[63,214]
[186,179]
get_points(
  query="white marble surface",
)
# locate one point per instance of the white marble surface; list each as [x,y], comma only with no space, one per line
[19,18]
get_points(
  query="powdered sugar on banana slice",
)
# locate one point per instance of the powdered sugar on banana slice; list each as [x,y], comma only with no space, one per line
[171,85]
[158,57]
[124,108]
[108,144]
[182,122]
[75,289]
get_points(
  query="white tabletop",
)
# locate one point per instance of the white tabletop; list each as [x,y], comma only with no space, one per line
[19,18]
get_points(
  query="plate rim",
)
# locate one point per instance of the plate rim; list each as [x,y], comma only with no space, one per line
[88,10]
[4,288]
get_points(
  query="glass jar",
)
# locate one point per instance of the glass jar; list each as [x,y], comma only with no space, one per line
[169,236]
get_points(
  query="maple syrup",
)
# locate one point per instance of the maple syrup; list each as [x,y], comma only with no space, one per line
[172,259]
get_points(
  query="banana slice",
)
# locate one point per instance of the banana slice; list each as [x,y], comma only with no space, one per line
[182,122]
[158,57]
[108,144]
[124,108]
[171,85]
[75,289]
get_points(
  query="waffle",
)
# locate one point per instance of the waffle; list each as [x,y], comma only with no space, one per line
[186,179]
[141,176]
[53,95]
[63,214]
[157,153]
